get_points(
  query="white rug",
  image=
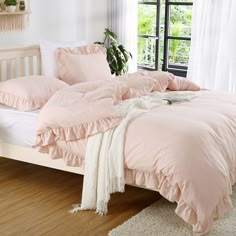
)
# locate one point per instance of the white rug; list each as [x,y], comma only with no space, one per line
[160,219]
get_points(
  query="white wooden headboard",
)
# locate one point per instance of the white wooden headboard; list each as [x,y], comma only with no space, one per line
[19,61]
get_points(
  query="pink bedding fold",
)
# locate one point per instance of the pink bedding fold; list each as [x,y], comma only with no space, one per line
[189,154]
[79,111]
[186,151]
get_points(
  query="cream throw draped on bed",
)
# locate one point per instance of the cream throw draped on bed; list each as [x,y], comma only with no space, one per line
[104,160]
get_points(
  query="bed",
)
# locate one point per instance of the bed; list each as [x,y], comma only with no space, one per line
[22,61]
[211,116]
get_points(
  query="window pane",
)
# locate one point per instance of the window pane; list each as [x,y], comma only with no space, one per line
[147,19]
[179,52]
[147,52]
[162,31]
[140,1]
[180,20]
[180,0]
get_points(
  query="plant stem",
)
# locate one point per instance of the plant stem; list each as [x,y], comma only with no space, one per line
[105,40]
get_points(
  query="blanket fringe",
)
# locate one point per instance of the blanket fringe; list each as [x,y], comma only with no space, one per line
[76,208]
[102,208]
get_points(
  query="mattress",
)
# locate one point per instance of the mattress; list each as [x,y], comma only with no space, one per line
[17,127]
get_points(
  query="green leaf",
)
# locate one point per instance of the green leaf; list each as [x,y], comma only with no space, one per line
[100,43]
[10,2]
[113,63]
[110,34]
[117,55]
[125,52]
[120,57]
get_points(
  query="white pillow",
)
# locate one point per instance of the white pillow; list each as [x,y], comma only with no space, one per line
[48,55]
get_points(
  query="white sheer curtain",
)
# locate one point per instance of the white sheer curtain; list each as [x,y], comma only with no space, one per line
[123,20]
[213,50]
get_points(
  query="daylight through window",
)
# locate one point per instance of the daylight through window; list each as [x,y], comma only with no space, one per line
[164,34]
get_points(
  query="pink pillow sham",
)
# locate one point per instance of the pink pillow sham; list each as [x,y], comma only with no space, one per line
[137,83]
[28,93]
[166,80]
[182,84]
[162,79]
[83,64]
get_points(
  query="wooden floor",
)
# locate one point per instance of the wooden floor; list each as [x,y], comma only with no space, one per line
[35,200]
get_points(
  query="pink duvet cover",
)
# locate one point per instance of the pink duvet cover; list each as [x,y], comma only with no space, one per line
[186,151]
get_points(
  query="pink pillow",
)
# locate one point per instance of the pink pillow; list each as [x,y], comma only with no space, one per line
[83,64]
[137,83]
[182,84]
[162,79]
[28,93]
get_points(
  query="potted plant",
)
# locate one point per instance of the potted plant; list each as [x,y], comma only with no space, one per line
[117,55]
[10,5]
[22,6]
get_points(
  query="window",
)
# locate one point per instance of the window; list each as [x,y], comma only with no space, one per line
[164,35]
[148,34]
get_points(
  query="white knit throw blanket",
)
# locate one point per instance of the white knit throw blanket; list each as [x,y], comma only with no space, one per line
[104,159]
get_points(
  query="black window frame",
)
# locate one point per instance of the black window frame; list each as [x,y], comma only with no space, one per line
[175,69]
[178,70]
[156,36]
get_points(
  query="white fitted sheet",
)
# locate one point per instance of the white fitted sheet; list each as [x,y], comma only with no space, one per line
[17,127]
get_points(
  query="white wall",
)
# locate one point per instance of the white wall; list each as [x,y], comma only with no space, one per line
[61,20]
[92,19]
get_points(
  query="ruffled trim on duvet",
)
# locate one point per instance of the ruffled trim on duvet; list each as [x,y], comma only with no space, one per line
[70,159]
[76,132]
[172,192]
[158,182]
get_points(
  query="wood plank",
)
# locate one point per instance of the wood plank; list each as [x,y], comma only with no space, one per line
[39,66]
[31,65]
[35,201]
[22,66]
[4,69]
[20,53]
[5,13]
[13,68]
[11,53]
[25,154]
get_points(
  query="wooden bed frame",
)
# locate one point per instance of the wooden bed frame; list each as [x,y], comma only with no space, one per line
[21,61]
